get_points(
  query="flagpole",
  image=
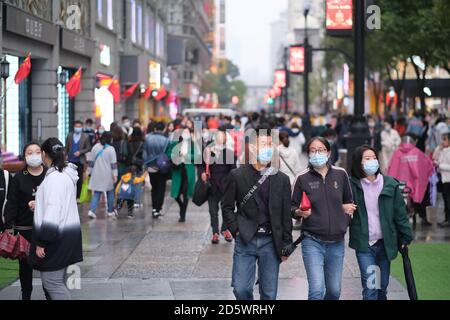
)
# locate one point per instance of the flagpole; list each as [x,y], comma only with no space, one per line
[3,105]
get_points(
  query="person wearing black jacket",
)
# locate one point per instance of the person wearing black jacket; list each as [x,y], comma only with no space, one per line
[221,160]
[262,225]
[19,210]
[325,224]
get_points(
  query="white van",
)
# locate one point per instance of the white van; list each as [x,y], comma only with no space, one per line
[202,113]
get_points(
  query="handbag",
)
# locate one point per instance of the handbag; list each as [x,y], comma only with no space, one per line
[201,190]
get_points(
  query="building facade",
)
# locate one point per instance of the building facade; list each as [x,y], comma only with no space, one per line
[189,56]
[107,39]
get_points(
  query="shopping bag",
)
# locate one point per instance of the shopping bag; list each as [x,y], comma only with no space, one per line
[85,195]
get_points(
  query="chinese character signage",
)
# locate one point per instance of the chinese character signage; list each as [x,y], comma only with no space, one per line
[297,59]
[339,17]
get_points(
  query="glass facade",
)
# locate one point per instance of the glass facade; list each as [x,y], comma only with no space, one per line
[18,110]
[65,108]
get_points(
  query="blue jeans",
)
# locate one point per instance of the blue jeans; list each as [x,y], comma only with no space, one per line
[324,264]
[138,196]
[260,249]
[96,199]
[375,269]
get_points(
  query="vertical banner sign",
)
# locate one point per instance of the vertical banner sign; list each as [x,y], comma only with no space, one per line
[339,17]
[280,78]
[297,59]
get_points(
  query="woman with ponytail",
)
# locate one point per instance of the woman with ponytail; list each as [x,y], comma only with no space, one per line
[56,242]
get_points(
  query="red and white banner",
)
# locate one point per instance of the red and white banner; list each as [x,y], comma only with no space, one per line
[339,14]
[297,59]
[280,78]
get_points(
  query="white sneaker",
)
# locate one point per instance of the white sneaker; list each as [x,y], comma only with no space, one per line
[113,214]
[92,215]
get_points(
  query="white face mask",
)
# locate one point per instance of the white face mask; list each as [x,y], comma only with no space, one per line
[34,161]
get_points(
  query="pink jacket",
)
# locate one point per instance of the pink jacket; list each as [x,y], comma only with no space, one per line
[411,165]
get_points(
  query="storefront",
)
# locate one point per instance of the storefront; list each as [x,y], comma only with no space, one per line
[18,109]
[23,34]
[76,51]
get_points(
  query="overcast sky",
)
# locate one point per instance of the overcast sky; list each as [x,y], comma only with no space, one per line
[248,37]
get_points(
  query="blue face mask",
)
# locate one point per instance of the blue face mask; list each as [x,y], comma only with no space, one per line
[265,155]
[78,130]
[318,160]
[371,167]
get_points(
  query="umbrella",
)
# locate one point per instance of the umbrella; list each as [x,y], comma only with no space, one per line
[7,244]
[21,249]
[409,277]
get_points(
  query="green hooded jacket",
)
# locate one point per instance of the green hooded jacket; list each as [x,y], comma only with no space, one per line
[395,225]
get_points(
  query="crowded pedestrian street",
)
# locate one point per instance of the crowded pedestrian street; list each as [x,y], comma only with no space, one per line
[210,153]
[148,259]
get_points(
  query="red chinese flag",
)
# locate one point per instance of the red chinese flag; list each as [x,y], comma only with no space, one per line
[130,91]
[73,86]
[162,92]
[306,204]
[114,88]
[23,71]
[148,93]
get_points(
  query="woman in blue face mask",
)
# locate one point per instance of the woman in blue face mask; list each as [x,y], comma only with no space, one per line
[325,224]
[380,224]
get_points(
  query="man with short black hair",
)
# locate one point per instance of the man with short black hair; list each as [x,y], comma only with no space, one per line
[77,145]
[89,130]
[262,225]
[126,126]
[155,145]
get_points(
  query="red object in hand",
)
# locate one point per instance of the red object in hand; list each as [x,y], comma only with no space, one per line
[306,204]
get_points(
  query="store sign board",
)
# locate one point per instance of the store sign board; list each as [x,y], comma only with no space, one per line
[154,74]
[105,55]
[27,25]
[74,42]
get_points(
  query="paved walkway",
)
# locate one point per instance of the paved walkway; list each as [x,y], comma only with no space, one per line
[163,259]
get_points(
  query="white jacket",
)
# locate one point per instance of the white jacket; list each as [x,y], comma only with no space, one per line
[56,221]
[390,141]
[289,157]
[444,165]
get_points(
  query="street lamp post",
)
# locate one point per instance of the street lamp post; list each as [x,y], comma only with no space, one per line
[287,80]
[307,68]
[359,130]
[4,74]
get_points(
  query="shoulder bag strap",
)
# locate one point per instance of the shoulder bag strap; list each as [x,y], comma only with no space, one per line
[289,167]
[101,152]
[252,191]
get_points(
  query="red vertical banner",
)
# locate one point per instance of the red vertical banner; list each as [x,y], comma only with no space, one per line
[339,16]
[280,78]
[297,59]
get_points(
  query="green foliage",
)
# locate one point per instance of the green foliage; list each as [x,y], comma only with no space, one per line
[225,85]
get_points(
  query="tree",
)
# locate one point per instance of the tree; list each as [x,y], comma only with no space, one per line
[226,84]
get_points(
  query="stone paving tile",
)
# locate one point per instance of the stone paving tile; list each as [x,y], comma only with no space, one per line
[153,259]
